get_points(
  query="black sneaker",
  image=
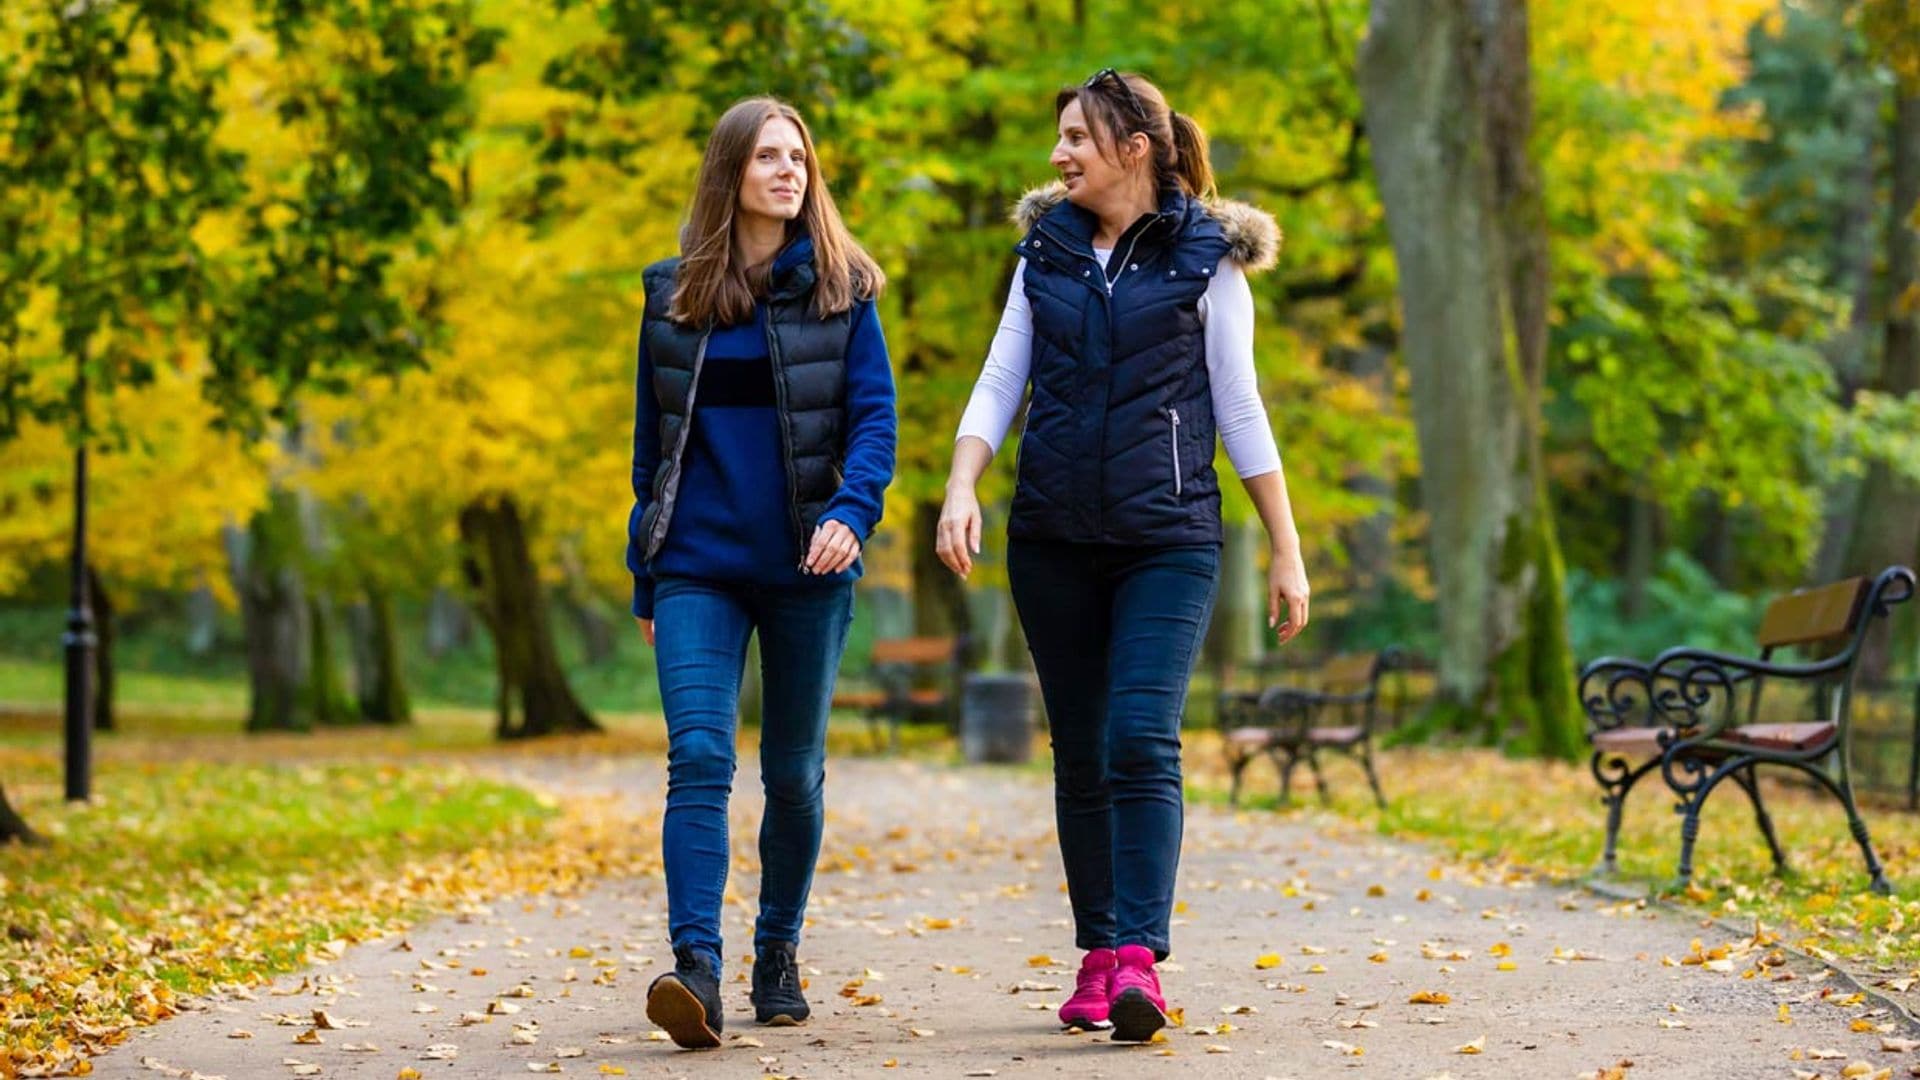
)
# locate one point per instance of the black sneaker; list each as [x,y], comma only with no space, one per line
[776,987]
[685,1002]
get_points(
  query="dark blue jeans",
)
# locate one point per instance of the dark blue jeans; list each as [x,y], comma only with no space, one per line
[701,630]
[1114,633]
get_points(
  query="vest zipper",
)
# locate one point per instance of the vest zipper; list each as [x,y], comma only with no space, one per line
[784,418]
[670,493]
[1123,262]
[1173,444]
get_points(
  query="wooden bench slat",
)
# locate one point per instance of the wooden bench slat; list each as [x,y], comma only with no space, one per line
[914,650]
[1349,670]
[1813,614]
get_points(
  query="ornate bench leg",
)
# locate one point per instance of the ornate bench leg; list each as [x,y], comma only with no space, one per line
[1285,769]
[1694,799]
[1319,780]
[1373,779]
[1749,782]
[1237,766]
[1617,776]
[1876,874]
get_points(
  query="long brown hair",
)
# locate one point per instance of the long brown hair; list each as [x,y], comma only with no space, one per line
[1118,104]
[712,289]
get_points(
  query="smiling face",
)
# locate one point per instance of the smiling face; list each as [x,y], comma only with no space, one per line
[1093,177]
[774,183]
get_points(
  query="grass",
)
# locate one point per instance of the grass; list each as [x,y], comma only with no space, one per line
[1547,817]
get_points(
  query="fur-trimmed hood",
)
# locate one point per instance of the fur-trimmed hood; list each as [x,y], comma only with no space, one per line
[1253,236]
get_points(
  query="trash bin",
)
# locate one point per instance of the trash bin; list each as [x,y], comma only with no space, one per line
[996,718]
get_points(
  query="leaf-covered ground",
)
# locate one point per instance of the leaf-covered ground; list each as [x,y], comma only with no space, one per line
[1547,817]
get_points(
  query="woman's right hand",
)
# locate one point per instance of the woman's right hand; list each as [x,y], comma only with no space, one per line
[957,540]
[646,629]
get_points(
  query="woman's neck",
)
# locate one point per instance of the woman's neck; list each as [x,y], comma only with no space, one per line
[1127,207]
[757,238]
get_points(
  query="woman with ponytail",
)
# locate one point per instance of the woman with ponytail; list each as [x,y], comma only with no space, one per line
[763,440]
[1131,319]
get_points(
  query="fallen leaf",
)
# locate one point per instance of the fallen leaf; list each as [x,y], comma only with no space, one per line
[1430,997]
[1477,1046]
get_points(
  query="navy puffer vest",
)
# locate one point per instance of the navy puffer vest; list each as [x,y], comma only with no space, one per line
[809,357]
[1119,438]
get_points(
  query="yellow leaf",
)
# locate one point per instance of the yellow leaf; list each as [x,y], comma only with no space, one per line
[1477,1046]
[1430,997]
[612,1070]
[1041,960]
[1267,960]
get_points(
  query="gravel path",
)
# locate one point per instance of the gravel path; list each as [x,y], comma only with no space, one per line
[940,943]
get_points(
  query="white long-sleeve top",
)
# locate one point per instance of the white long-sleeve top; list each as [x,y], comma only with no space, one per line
[1226,310]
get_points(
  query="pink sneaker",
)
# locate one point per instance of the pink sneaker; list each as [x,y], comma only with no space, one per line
[1086,1010]
[1136,1008]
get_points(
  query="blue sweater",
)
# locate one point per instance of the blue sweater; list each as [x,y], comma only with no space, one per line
[733,482]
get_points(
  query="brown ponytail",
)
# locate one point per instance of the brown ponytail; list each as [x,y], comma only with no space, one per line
[1121,105]
[1192,165]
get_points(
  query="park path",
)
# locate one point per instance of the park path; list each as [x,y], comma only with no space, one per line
[939,945]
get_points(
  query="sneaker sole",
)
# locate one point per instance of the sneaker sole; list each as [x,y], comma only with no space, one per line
[781,1020]
[1135,1018]
[672,1006]
[1085,1025]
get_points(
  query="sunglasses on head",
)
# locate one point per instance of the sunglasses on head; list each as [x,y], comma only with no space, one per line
[1105,74]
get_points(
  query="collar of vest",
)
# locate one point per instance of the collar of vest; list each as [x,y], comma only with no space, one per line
[1253,237]
[793,273]
[1074,226]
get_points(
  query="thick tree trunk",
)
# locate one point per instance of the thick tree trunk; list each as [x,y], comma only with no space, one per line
[103,633]
[274,616]
[328,693]
[1448,106]
[379,688]
[12,826]
[1888,527]
[534,695]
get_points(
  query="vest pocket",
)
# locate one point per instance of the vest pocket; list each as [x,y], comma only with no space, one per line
[1173,446]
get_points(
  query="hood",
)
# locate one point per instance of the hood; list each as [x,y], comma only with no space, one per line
[1253,236]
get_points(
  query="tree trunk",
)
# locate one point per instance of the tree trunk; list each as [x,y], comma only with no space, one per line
[534,695]
[103,632]
[449,623]
[1641,548]
[1369,541]
[379,689]
[1888,527]
[203,621]
[275,618]
[329,695]
[12,826]
[1233,638]
[1449,108]
[939,596]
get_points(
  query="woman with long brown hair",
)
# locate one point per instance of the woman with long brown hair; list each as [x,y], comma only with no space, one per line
[1131,318]
[763,441]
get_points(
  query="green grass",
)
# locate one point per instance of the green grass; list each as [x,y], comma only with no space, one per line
[1546,817]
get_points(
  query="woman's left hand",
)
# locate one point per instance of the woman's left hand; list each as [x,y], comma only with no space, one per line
[1287,584]
[834,548]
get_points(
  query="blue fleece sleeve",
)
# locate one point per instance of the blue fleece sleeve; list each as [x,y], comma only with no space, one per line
[872,429]
[646,458]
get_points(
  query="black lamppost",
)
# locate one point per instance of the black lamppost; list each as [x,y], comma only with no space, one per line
[79,640]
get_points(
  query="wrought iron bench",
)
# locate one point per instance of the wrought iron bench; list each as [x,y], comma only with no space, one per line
[1694,714]
[1289,724]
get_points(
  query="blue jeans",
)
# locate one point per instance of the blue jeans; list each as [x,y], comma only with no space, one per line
[701,630]
[1114,633]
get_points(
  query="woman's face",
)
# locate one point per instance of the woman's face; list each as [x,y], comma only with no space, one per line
[776,177]
[1091,177]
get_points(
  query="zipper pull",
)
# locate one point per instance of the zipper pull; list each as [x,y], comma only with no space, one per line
[1174,415]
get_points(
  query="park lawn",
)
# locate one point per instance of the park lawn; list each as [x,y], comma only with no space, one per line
[1519,816]
[188,874]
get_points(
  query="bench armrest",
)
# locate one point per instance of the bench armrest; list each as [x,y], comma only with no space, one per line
[1617,692]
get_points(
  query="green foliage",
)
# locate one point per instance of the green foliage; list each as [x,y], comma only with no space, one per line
[1683,606]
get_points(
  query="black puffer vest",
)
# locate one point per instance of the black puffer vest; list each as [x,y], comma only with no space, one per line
[1119,439]
[809,357]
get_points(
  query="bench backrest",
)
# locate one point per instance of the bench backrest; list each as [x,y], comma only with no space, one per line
[1349,672]
[1817,614]
[915,650]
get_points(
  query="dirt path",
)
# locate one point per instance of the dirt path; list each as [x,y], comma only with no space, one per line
[939,904]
